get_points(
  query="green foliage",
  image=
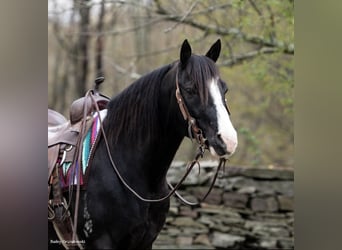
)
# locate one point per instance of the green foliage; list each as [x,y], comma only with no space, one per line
[261,99]
[253,145]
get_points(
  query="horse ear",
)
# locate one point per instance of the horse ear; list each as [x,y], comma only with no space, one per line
[185,52]
[214,52]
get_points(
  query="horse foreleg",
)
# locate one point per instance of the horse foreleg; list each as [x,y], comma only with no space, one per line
[148,248]
[104,241]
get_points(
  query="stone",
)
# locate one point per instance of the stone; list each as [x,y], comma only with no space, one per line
[231,171]
[267,204]
[209,164]
[174,201]
[242,232]
[290,221]
[225,240]
[274,187]
[178,164]
[244,212]
[219,210]
[200,191]
[215,196]
[269,173]
[279,231]
[173,210]
[173,231]
[270,216]
[194,178]
[247,190]
[190,198]
[163,239]
[234,183]
[167,247]
[210,221]
[286,243]
[202,239]
[240,182]
[224,184]
[270,231]
[232,221]
[268,243]
[186,222]
[221,228]
[184,240]
[284,187]
[290,214]
[188,212]
[285,203]
[265,188]
[250,224]
[169,220]
[235,200]
[194,230]
[267,229]
[206,220]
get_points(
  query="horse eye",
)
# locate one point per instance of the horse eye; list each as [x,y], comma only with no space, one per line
[226,105]
[190,90]
[224,87]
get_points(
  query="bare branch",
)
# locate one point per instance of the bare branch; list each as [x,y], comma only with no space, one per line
[233,32]
[248,56]
[183,18]
[255,7]
[272,22]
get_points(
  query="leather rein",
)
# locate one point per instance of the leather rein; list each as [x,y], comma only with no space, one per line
[193,129]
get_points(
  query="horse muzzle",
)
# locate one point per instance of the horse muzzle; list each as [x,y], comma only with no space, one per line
[222,146]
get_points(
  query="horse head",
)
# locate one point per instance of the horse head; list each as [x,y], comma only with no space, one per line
[203,93]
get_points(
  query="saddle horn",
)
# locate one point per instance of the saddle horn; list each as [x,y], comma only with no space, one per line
[98,81]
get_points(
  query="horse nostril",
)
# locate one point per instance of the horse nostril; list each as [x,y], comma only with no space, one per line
[223,144]
[206,142]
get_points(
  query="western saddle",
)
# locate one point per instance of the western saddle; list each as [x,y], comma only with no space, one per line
[64,145]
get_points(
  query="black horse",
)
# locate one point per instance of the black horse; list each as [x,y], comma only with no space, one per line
[144,127]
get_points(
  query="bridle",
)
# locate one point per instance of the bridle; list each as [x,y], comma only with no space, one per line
[192,127]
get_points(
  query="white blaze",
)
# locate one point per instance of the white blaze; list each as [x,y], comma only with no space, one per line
[225,127]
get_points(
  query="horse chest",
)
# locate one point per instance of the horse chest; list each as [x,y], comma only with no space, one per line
[128,225]
[147,219]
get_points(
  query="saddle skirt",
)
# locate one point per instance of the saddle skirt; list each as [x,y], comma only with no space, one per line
[68,170]
[63,138]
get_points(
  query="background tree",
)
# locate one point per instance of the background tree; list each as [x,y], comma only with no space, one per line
[126,39]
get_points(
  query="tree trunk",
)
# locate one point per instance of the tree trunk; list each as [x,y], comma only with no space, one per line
[99,70]
[83,43]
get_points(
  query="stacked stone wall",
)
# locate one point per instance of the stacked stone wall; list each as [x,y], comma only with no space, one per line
[248,208]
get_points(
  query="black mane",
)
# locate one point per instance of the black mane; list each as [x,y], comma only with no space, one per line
[134,112]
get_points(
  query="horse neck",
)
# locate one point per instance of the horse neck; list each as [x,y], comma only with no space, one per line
[149,157]
[162,146]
